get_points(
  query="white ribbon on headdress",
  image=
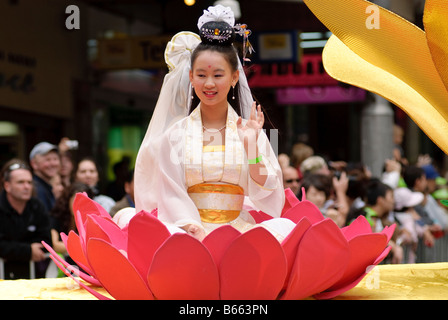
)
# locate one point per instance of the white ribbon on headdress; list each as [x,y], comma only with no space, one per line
[217,13]
[172,105]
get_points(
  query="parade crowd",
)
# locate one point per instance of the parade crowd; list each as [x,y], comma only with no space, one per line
[411,196]
[36,201]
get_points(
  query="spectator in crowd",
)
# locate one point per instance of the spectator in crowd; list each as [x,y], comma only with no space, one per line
[24,223]
[314,164]
[283,160]
[65,151]
[45,161]
[405,202]
[431,205]
[415,179]
[87,172]
[392,173]
[398,152]
[379,203]
[318,190]
[300,152]
[291,179]
[358,177]
[56,186]
[128,200]
[115,189]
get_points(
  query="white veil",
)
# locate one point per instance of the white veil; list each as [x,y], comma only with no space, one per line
[173,104]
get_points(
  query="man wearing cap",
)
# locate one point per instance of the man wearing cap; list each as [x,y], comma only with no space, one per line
[46,163]
[24,223]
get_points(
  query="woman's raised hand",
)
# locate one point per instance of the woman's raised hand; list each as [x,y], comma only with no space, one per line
[249,132]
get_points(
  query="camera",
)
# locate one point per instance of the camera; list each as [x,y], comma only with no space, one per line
[72,144]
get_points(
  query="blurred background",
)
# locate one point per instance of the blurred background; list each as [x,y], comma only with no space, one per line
[99,83]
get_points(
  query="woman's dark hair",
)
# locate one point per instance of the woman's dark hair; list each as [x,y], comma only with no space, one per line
[61,210]
[319,181]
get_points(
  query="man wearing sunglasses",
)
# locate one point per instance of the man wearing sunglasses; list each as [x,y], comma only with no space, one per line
[24,223]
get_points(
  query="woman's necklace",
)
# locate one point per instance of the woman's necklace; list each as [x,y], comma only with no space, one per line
[213,130]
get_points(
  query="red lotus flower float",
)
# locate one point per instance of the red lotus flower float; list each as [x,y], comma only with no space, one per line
[144,261]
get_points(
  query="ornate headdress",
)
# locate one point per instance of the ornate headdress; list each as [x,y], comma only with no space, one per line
[217,26]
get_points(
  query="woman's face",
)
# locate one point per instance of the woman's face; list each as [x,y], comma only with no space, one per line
[87,173]
[212,77]
[315,196]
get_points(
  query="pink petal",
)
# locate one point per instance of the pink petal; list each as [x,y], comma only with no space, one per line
[304,209]
[219,240]
[321,261]
[389,231]
[115,272]
[145,235]
[291,243]
[93,230]
[80,226]
[359,226]
[65,266]
[253,267]
[183,269]
[109,229]
[69,274]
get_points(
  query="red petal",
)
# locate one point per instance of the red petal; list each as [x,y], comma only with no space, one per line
[389,231]
[219,240]
[340,290]
[76,252]
[259,216]
[87,206]
[115,272]
[304,209]
[291,243]
[364,249]
[321,260]
[253,267]
[359,226]
[290,200]
[183,269]
[145,235]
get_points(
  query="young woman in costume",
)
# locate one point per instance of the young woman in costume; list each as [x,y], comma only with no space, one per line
[205,156]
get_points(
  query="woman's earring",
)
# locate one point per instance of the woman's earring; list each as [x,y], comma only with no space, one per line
[233,95]
[192,93]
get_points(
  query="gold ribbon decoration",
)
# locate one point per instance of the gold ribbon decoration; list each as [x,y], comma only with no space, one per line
[397,60]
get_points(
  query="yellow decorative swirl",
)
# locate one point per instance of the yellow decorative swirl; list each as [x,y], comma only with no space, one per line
[393,61]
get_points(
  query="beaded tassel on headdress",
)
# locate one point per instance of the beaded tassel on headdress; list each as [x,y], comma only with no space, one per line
[242,30]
